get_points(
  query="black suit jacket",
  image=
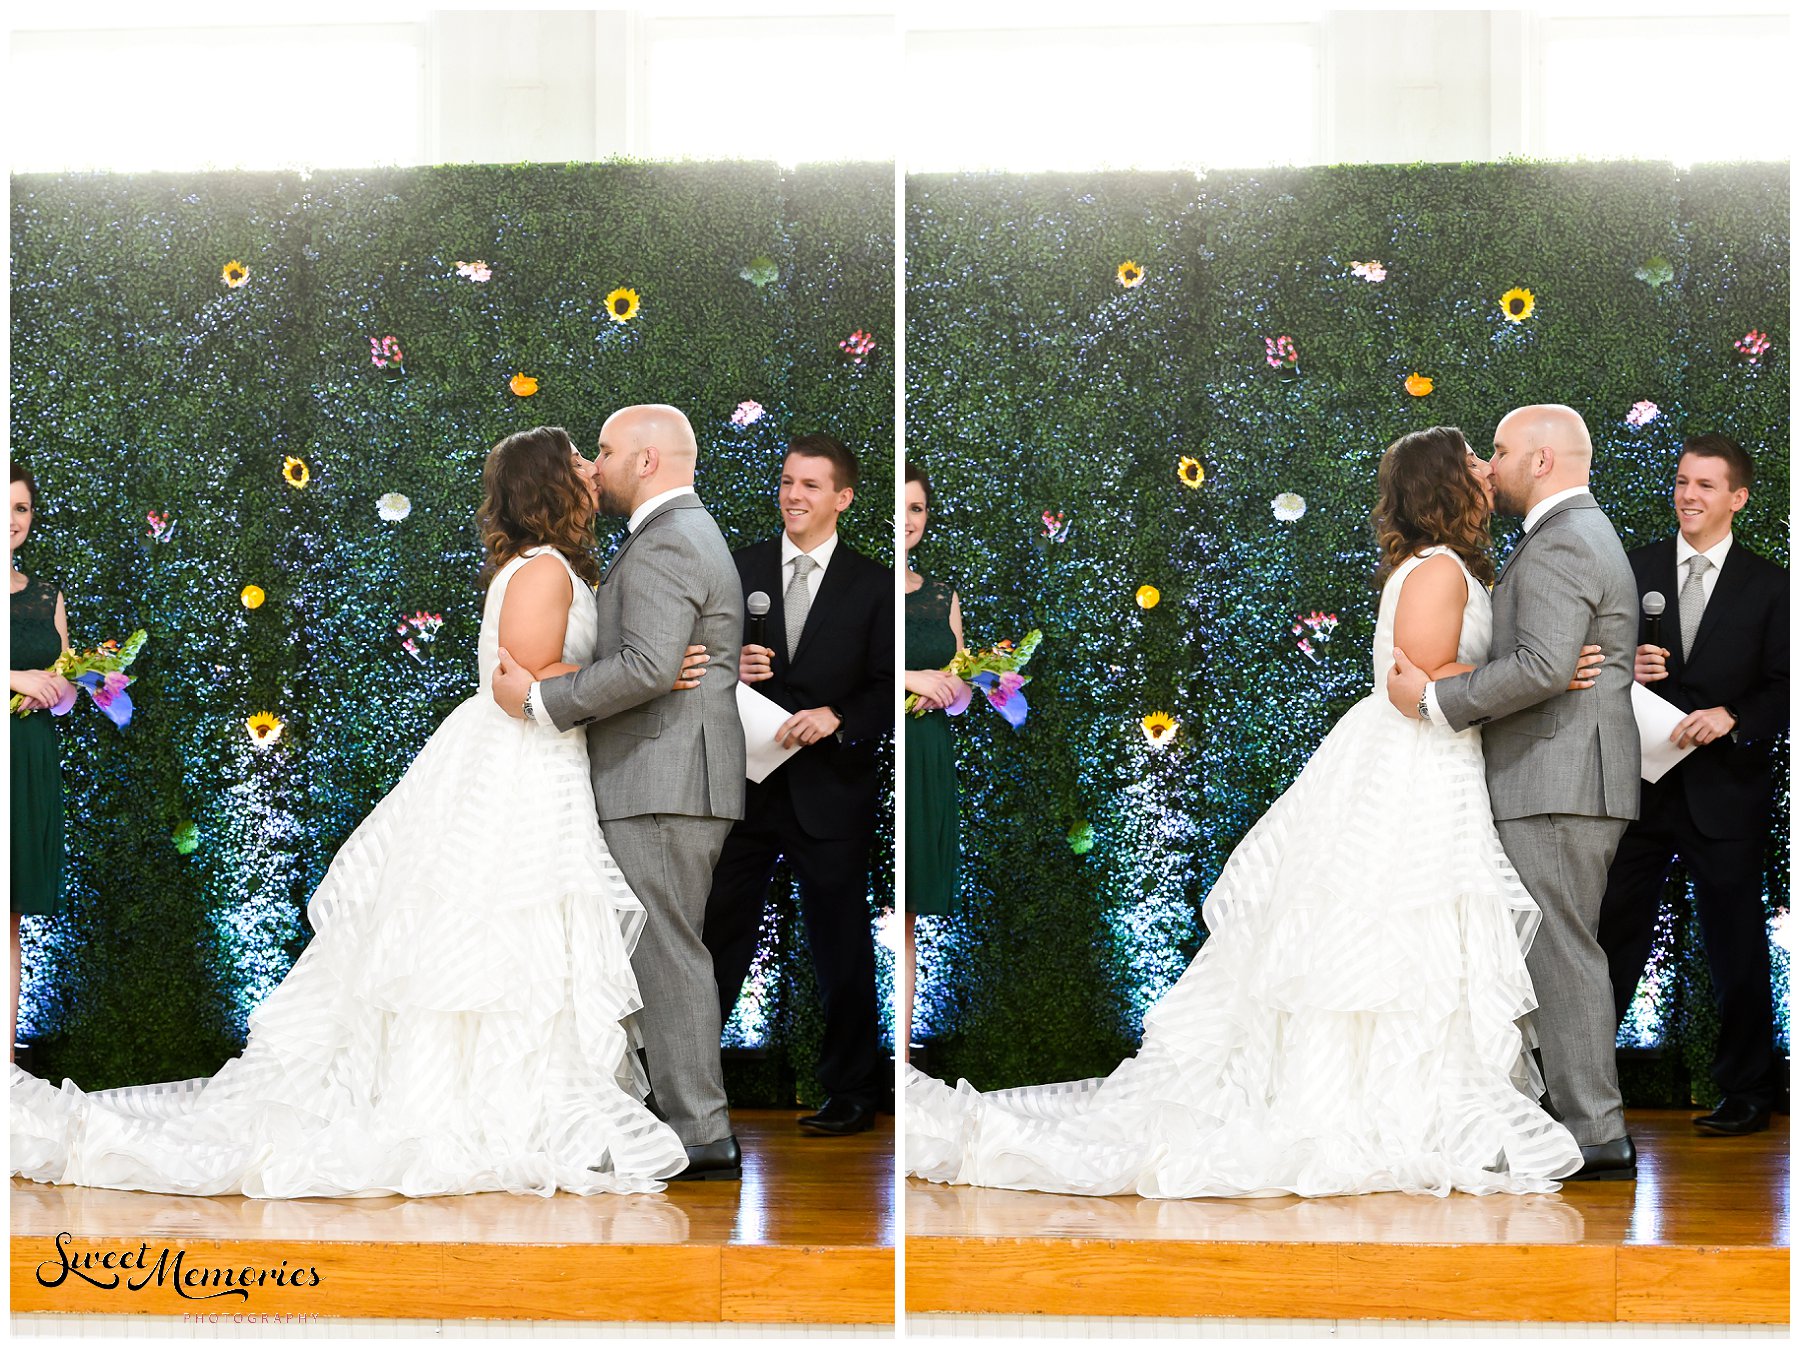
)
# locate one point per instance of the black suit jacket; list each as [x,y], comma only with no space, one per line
[845,660]
[1739,660]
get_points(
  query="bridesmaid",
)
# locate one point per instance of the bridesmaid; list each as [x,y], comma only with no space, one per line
[40,633]
[933,637]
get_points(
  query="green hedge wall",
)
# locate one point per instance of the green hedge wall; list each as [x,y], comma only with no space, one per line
[1037,382]
[142,383]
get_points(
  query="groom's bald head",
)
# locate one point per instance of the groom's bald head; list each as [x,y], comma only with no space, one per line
[1539,451]
[645,450]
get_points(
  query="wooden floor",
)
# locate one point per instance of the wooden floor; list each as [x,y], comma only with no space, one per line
[1702,1237]
[807,1236]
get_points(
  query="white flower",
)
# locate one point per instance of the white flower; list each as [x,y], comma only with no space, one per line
[475,271]
[1369,271]
[1288,506]
[1642,413]
[747,412]
[393,506]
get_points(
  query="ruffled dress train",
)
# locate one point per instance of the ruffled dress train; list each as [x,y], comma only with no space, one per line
[1356,1020]
[460,1022]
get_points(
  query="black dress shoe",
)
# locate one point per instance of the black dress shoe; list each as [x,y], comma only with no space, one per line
[1616,1160]
[1736,1115]
[841,1115]
[714,1161]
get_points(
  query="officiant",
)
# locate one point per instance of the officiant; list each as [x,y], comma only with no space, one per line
[826,656]
[1722,659]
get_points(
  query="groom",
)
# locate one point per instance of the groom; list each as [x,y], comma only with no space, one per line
[1562,767]
[668,767]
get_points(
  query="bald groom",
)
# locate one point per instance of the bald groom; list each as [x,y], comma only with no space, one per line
[668,767]
[1562,766]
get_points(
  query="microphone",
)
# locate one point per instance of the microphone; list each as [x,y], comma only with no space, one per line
[1654,604]
[756,604]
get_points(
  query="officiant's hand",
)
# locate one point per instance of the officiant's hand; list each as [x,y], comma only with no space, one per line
[1702,727]
[807,728]
[1406,685]
[693,668]
[512,682]
[755,664]
[1651,665]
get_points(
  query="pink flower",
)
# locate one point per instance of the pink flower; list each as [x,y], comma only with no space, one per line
[1281,352]
[747,412]
[857,346]
[1055,528]
[1642,413]
[1752,345]
[385,351]
[161,527]
[110,687]
[1011,681]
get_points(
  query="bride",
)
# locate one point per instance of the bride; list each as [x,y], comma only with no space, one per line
[1356,1019]
[461,1020]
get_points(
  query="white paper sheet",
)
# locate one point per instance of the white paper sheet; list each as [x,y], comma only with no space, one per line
[761,717]
[1656,717]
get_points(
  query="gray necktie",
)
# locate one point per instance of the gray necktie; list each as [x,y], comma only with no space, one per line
[1693,600]
[797,601]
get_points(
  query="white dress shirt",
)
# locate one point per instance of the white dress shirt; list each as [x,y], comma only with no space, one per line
[1715,555]
[821,556]
[1532,517]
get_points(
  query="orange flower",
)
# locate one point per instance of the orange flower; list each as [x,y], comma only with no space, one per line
[523,385]
[1418,385]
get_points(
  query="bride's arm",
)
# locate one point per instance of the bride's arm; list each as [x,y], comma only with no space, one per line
[534,618]
[1428,619]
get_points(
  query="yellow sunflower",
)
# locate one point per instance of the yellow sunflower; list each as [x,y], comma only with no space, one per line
[1419,385]
[1517,304]
[253,597]
[622,305]
[234,274]
[264,728]
[295,471]
[523,385]
[1130,274]
[1160,728]
[1148,597]
[1190,471]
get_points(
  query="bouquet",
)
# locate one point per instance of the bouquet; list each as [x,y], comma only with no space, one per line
[996,673]
[101,672]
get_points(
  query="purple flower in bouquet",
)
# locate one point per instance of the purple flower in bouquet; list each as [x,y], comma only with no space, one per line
[1005,692]
[108,692]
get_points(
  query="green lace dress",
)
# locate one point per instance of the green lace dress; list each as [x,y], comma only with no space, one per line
[933,852]
[37,795]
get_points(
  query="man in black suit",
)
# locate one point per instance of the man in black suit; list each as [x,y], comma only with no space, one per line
[1726,666]
[830,662]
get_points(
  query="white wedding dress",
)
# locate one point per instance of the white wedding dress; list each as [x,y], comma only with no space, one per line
[460,1021]
[1354,1021]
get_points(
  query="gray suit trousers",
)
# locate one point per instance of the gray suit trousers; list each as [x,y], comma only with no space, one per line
[668,862]
[1563,860]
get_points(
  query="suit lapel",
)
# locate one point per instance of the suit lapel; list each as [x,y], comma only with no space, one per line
[1725,592]
[679,503]
[1569,503]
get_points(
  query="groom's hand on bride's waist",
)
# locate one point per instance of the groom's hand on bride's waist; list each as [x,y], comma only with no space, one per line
[511,681]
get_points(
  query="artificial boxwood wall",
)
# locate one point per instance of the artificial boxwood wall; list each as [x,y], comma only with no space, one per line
[143,383]
[1037,382]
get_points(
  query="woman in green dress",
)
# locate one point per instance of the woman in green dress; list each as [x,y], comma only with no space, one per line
[933,637]
[40,633]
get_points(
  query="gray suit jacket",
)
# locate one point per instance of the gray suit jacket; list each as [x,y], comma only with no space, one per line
[655,751]
[1551,751]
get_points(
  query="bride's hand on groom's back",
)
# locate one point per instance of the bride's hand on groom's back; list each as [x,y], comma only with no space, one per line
[693,668]
[1587,665]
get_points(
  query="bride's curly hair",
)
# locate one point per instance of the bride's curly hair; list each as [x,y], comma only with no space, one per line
[1425,497]
[532,496]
